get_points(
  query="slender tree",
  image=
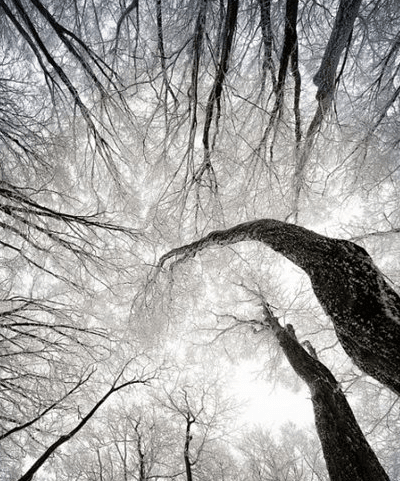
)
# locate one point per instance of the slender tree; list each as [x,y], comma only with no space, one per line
[115,387]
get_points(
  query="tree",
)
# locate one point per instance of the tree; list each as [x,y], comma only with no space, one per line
[365,311]
[135,441]
[291,454]
[202,416]
[346,451]
[115,387]
[363,307]
[325,79]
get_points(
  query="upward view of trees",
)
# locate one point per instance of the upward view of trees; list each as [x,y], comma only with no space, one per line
[185,186]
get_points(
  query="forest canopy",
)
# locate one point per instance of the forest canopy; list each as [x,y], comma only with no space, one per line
[186,188]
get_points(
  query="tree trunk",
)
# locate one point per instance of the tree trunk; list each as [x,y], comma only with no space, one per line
[364,309]
[186,449]
[325,78]
[347,454]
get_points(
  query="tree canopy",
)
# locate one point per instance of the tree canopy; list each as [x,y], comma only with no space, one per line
[135,138]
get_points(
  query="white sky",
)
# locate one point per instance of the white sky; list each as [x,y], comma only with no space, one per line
[269,405]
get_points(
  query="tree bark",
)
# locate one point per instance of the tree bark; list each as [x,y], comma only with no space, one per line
[324,79]
[364,309]
[214,99]
[267,38]
[289,45]
[347,454]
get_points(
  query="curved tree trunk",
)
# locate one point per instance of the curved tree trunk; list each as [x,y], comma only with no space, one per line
[347,454]
[364,309]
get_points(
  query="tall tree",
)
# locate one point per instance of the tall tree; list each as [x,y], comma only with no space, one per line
[346,451]
[364,308]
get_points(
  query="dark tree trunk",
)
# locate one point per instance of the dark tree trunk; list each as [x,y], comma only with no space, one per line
[325,79]
[347,454]
[186,449]
[364,309]
[340,37]
[141,456]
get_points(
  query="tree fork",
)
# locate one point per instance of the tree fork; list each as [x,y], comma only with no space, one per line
[363,307]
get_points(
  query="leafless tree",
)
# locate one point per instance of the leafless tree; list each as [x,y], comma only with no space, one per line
[118,384]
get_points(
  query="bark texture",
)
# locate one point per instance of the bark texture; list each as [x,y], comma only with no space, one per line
[365,310]
[347,454]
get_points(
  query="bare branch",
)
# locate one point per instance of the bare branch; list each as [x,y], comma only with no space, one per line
[28,476]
